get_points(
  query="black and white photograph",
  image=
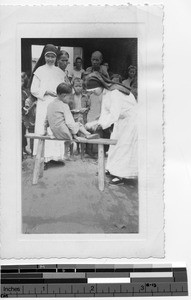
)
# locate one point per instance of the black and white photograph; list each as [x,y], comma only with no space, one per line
[88,138]
[86,91]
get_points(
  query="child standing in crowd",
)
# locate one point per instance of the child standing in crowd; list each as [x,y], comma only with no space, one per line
[78,70]
[80,102]
[95,100]
[60,119]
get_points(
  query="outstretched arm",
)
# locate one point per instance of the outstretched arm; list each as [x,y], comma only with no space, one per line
[69,120]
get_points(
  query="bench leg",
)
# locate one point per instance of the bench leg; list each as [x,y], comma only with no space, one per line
[82,149]
[42,160]
[72,150]
[39,162]
[66,149]
[101,167]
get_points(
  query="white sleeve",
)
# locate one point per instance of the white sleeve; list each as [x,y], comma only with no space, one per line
[36,88]
[108,117]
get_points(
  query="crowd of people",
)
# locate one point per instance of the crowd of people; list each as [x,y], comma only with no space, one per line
[91,103]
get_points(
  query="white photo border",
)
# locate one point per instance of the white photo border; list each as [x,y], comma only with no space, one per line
[144,23]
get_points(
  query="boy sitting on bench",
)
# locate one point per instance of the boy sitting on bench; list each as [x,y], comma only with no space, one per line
[60,119]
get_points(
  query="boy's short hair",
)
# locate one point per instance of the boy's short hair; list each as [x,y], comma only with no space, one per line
[63,88]
[77,80]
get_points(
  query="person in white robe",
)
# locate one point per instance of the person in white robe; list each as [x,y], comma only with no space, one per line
[46,78]
[119,107]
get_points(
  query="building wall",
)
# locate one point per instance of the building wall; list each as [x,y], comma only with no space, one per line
[119,53]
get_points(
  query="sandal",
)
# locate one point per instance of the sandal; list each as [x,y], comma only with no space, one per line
[117,181]
[107,173]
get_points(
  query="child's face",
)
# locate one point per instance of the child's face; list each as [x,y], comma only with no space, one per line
[132,73]
[78,88]
[106,65]
[63,62]
[115,79]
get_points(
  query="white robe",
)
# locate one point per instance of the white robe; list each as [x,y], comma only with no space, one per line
[121,110]
[46,78]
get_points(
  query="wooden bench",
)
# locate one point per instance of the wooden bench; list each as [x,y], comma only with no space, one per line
[39,159]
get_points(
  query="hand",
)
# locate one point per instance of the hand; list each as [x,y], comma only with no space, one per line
[79,138]
[45,132]
[83,110]
[50,93]
[75,137]
[96,127]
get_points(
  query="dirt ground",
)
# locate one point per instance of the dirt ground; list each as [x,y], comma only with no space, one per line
[67,200]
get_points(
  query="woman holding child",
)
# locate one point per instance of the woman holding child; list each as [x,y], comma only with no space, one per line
[45,79]
[119,107]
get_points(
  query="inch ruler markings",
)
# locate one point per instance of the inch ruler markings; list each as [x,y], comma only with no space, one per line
[93,280]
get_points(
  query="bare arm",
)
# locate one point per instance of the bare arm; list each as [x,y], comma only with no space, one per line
[69,120]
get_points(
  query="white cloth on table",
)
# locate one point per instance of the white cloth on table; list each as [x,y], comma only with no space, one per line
[121,110]
[46,78]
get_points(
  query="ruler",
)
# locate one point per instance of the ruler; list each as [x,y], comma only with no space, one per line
[66,280]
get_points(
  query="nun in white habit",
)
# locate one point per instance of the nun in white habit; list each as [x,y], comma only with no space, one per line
[119,107]
[45,79]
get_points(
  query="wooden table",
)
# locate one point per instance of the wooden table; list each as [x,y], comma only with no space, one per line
[39,159]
